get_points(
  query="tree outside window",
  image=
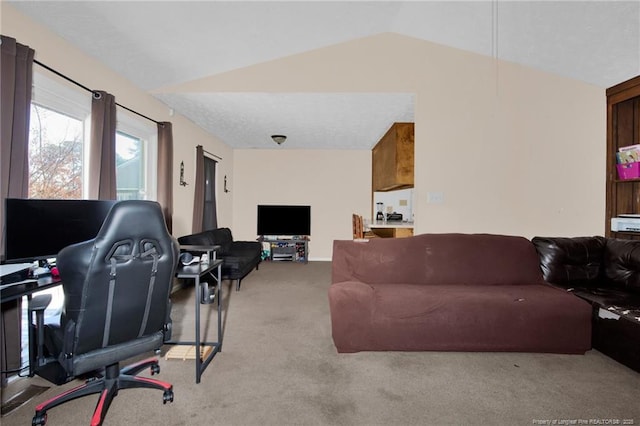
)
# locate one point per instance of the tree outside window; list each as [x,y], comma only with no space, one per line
[55,154]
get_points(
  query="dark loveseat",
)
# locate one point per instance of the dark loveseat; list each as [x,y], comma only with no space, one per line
[606,273]
[450,292]
[239,257]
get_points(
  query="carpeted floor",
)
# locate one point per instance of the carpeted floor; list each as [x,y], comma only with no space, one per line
[278,366]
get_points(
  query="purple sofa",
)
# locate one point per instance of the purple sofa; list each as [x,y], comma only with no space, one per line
[451,292]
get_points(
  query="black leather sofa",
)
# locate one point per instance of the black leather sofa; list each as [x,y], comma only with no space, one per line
[239,257]
[606,273]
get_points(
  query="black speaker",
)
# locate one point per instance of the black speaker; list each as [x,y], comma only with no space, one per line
[207,292]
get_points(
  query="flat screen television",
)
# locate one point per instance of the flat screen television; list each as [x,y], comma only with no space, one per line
[37,229]
[284,220]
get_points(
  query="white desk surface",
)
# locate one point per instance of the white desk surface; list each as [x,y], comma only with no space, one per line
[390,224]
[11,268]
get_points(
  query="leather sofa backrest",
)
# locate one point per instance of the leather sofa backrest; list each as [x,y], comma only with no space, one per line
[571,262]
[223,238]
[622,264]
[199,239]
[438,259]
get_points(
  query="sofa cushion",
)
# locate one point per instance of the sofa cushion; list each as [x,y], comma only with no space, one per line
[412,317]
[237,265]
[199,239]
[239,257]
[622,264]
[571,262]
[609,297]
[223,238]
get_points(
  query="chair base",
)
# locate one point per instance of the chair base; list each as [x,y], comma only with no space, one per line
[108,386]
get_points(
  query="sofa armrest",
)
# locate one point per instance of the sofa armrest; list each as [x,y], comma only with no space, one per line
[199,239]
[351,307]
[210,250]
[247,245]
[571,262]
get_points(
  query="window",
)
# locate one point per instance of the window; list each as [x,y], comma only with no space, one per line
[136,157]
[130,176]
[58,138]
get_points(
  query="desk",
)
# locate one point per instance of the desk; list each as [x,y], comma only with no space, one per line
[392,228]
[195,272]
[27,288]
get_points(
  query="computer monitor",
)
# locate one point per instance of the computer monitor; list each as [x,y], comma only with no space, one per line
[37,229]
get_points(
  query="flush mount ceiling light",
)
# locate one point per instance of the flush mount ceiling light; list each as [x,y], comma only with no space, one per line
[279,139]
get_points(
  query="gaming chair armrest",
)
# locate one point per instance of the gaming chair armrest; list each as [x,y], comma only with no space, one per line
[39,303]
[36,354]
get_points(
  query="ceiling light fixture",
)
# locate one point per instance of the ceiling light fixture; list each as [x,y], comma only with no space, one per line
[279,139]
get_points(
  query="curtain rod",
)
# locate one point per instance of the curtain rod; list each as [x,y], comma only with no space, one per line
[69,79]
[211,154]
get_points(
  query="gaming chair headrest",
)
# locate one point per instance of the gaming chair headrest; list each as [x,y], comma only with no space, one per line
[133,219]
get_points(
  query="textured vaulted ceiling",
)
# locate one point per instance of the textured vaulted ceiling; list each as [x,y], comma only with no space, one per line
[162,43]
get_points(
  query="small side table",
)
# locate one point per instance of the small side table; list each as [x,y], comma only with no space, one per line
[204,350]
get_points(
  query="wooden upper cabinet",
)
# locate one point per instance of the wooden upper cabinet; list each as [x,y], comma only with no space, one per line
[392,159]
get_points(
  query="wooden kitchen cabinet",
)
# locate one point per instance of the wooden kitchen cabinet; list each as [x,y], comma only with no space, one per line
[392,159]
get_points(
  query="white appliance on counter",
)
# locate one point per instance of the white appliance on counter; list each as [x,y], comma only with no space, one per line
[400,201]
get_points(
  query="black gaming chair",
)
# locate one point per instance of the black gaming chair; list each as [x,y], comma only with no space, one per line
[116,291]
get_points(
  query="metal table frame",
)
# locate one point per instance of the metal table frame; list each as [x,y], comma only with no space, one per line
[28,288]
[195,272]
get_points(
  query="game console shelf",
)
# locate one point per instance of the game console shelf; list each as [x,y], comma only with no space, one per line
[285,248]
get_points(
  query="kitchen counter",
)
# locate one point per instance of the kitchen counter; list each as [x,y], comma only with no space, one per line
[391,228]
[390,224]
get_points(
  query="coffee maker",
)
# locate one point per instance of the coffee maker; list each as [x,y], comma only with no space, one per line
[380,214]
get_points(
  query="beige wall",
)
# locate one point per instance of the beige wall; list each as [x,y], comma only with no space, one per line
[334,183]
[60,55]
[513,150]
[524,150]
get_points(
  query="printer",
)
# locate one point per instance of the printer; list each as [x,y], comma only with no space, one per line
[14,272]
[626,223]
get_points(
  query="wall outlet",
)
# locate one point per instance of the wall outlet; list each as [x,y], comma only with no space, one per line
[435,197]
[402,203]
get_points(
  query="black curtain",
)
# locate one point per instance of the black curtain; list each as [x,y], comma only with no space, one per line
[205,214]
[165,172]
[198,194]
[210,216]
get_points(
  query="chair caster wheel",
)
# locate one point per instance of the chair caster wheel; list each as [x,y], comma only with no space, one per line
[39,420]
[155,369]
[167,396]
